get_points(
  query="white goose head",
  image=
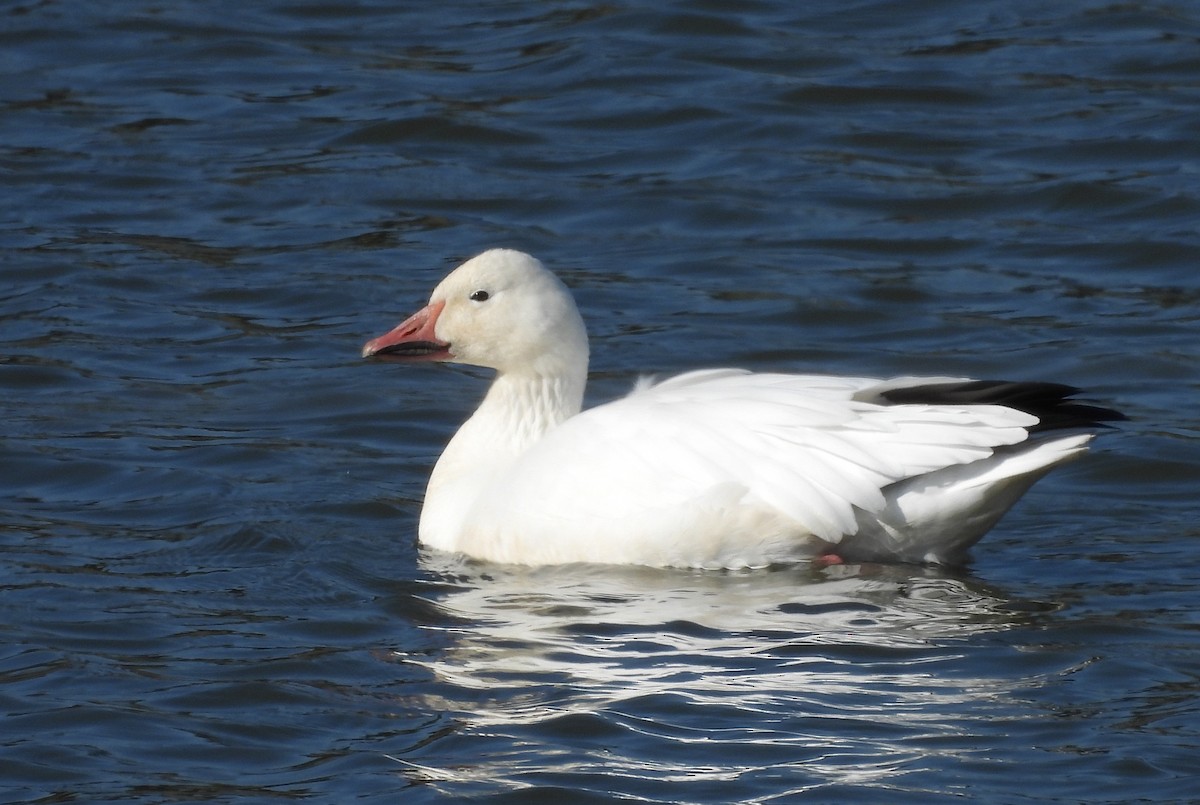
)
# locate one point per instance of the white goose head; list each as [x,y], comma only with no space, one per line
[501,310]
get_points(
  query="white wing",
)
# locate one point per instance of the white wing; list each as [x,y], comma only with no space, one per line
[730,446]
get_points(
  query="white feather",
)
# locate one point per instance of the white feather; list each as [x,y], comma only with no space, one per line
[714,468]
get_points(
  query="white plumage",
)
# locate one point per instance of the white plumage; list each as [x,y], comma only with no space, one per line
[714,468]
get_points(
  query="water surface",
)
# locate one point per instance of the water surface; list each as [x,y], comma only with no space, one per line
[209,588]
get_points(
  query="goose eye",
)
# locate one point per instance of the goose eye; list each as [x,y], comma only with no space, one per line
[480,296]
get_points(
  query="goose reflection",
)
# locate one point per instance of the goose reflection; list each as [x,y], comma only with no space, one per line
[844,674]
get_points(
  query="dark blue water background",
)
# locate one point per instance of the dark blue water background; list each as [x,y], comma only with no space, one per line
[209,589]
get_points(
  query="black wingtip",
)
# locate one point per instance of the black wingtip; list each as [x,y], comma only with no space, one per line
[1052,403]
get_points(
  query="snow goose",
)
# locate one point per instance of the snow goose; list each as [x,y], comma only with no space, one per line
[719,468]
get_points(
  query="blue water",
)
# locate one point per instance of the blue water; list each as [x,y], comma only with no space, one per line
[209,587]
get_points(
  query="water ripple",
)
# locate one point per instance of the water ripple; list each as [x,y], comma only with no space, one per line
[644,663]
[209,588]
